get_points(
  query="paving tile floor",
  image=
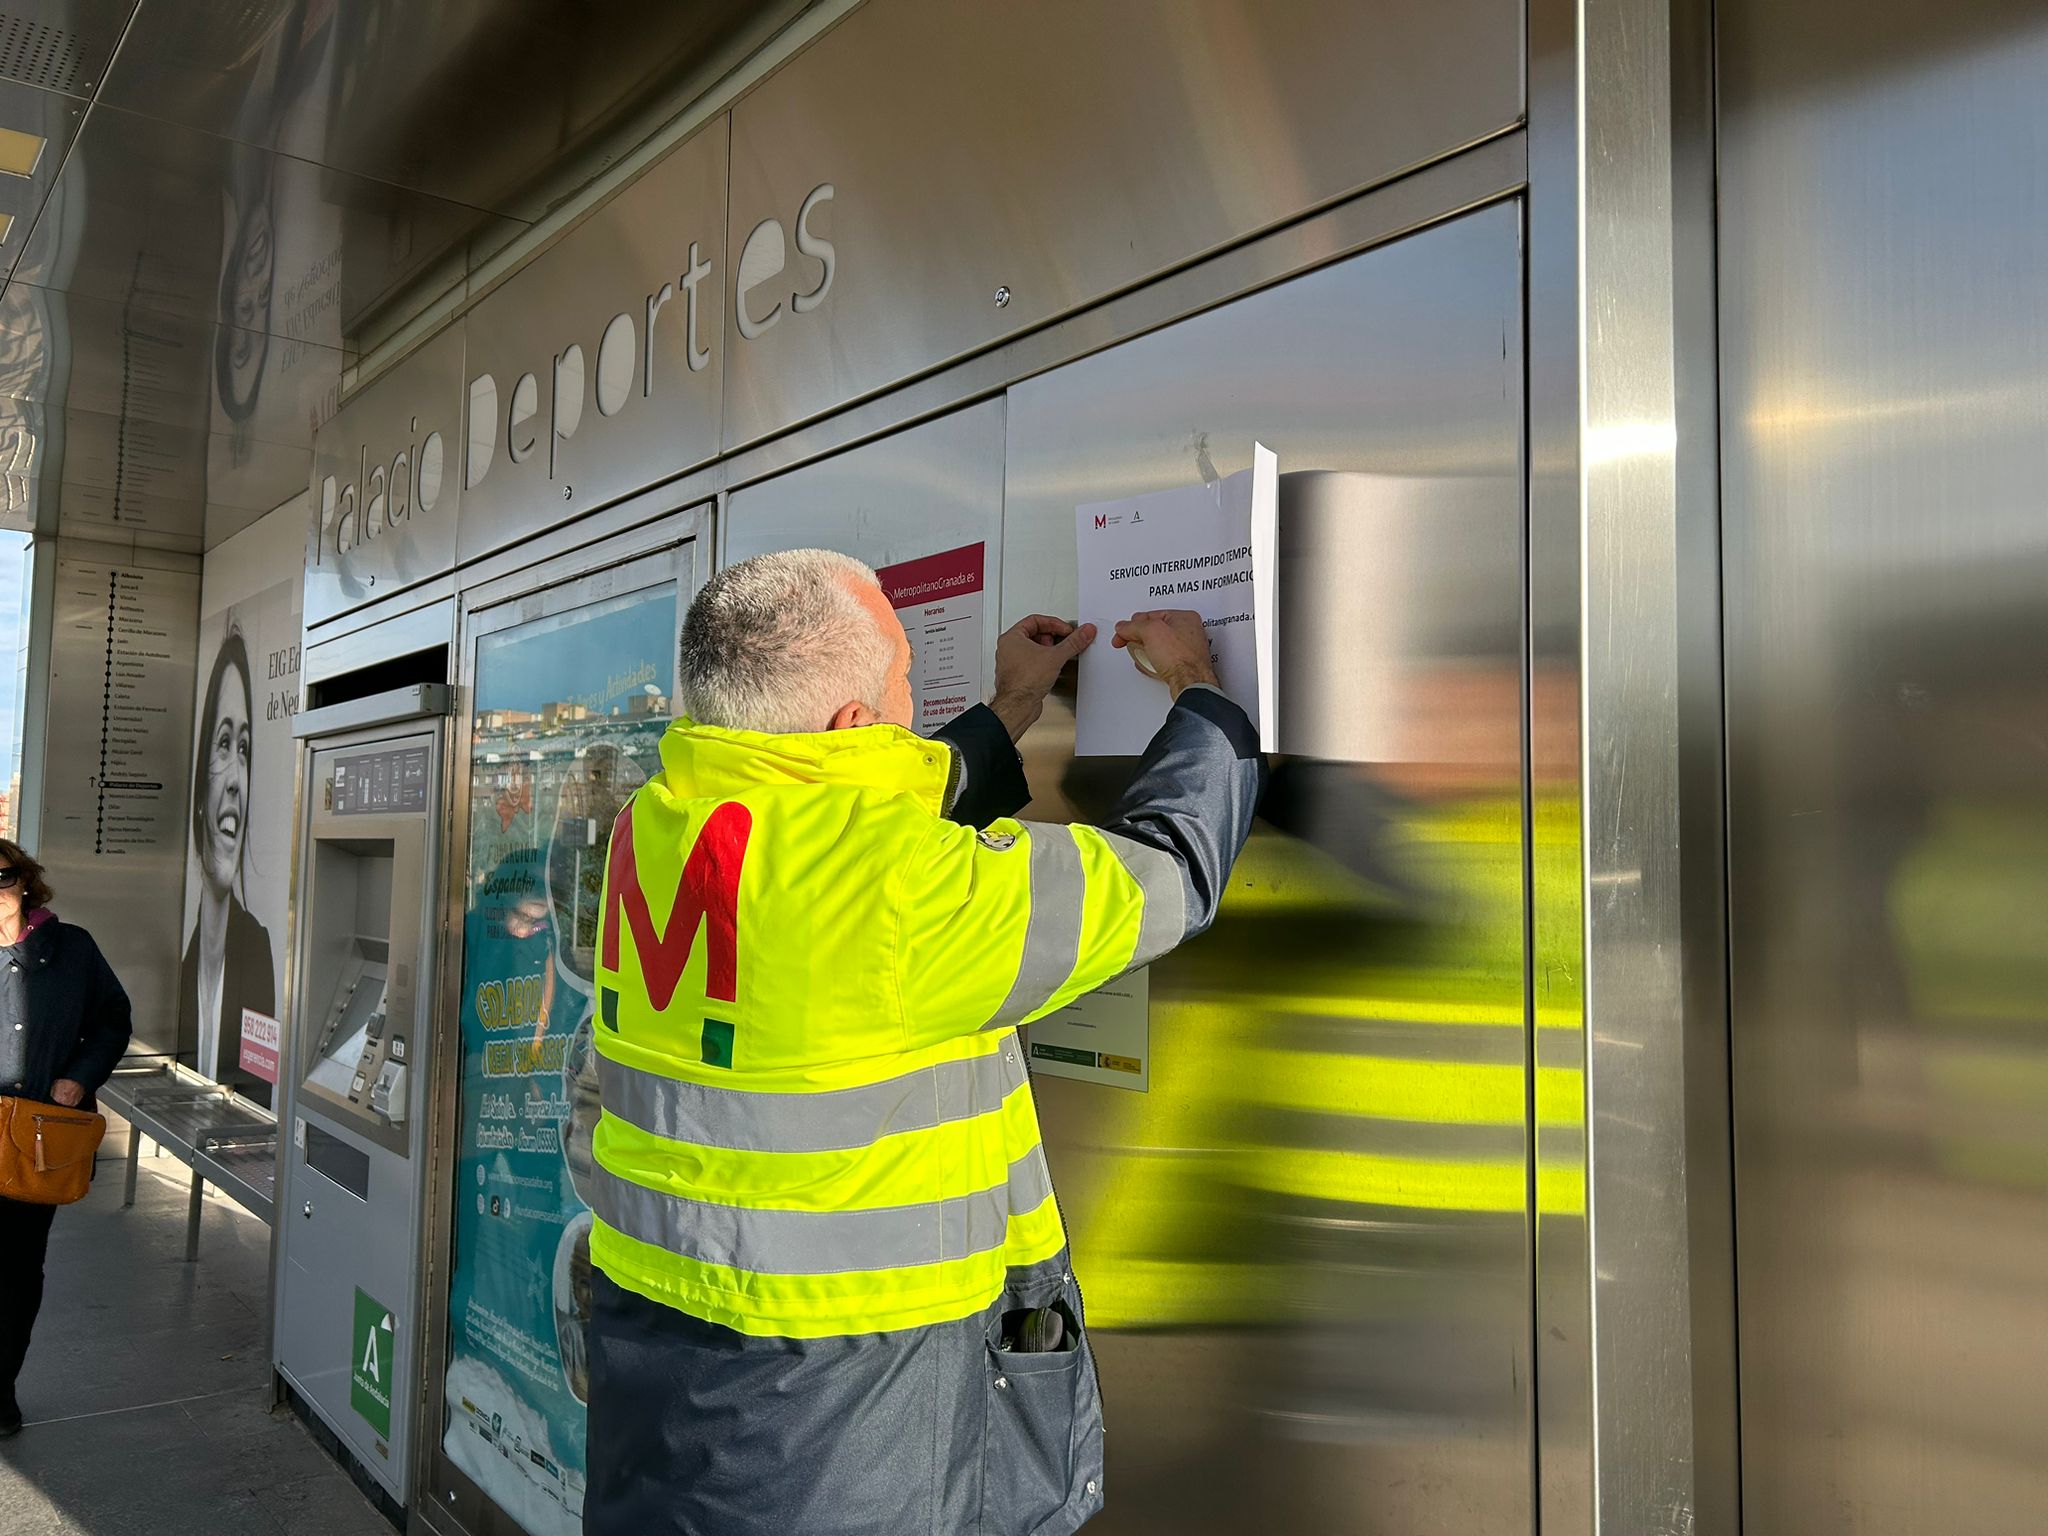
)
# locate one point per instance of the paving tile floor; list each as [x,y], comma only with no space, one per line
[146,1392]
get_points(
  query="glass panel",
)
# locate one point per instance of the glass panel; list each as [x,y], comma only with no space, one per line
[569,712]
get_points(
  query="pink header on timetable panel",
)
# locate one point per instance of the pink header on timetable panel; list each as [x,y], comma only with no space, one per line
[939,598]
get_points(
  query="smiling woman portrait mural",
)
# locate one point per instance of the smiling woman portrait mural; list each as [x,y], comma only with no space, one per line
[228,963]
[240,829]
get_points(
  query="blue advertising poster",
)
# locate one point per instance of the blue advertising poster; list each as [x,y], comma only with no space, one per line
[568,716]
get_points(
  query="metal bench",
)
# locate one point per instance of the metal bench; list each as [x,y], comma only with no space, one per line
[226,1140]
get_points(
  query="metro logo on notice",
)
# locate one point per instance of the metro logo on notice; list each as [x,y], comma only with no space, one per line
[707,896]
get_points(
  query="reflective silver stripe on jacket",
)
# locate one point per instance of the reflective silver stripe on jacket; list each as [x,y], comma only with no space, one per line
[1158,875]
[1052,938]
[823,1242]
[837,1120]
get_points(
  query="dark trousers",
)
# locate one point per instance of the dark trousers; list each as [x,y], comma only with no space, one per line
[24,1239]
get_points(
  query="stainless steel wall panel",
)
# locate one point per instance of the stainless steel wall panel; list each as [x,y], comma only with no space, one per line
[1562,1388]
[137,216]
[387,484]
[291,383]
[1482,175]
[1884,231]
[1652,849]
[399,632]
[465,100]
[1060,151]
[924,490]
[608,353]
[1306,1250]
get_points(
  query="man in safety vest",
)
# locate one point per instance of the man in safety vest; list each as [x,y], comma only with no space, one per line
[833,1290]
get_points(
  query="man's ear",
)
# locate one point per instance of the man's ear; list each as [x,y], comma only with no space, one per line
[851,717]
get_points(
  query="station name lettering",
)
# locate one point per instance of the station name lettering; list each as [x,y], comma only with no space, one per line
[527,420]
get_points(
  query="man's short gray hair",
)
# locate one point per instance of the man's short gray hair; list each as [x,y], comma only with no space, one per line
[779,642]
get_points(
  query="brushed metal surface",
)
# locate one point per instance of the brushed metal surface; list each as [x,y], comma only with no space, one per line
[148,213]
[1485,174]
[408,422]
[1065,151]
[148,365]
[169,428]
[1562,1389]
[1306,1250]
[465,100]
[1658,1180]
[400,633]
[621,328]
[921,491]
[1885,346]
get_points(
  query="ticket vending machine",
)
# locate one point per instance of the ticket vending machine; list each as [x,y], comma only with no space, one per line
[351,1181]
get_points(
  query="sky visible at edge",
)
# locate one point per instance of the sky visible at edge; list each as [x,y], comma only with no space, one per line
[11,546]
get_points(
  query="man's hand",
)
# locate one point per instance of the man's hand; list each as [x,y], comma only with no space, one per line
[1029,659]
[68,1093]
[1174,644]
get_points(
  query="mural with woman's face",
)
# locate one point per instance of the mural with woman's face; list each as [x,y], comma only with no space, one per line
[220,811]
[230,964]
[248,277]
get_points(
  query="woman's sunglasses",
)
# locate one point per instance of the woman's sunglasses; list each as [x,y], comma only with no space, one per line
[8,877]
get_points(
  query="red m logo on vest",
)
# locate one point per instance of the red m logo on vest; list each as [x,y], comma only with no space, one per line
[707,896]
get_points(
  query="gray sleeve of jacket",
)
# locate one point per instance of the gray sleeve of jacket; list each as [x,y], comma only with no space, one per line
[1187,813]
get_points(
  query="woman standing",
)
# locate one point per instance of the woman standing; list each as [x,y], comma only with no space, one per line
[227,962]
[63,1025]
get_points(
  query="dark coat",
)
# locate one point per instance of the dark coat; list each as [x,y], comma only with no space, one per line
[988,776]
[246,981]
[78,1017]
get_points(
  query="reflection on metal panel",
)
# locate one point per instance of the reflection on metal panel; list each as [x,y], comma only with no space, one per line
[153,366]
[462,99]
[1306,1250]
[1885,342]
[137,216]
[931,488]
[597,369]
[387,484]
[1060,152]
[1366,588]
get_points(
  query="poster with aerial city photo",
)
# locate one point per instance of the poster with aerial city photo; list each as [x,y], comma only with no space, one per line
[567,723]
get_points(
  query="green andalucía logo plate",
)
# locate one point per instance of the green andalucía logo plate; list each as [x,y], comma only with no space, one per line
[370,1364]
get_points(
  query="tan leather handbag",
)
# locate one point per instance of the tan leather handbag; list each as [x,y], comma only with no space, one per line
[46,1151]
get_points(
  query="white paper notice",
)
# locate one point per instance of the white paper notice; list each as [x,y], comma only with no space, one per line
[1104,1037]
[939,598]
[1211,548]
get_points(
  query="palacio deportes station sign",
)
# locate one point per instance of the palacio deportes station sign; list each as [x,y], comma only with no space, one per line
[847,225]
[592,372]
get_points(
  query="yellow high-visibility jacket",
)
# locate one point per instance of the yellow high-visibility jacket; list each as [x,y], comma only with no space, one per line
[817,1128]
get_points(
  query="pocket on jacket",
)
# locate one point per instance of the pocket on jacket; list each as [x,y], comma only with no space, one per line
[1035,1403]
